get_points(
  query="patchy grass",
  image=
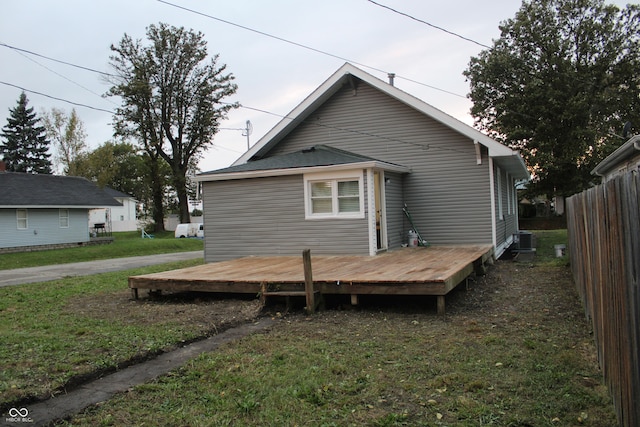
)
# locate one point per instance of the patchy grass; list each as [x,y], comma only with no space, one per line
[514,350]
[125,244]
[545,251]
[58,332]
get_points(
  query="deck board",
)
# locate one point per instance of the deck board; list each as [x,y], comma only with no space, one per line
[409,271]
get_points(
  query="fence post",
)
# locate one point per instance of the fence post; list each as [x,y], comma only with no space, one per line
[308,281]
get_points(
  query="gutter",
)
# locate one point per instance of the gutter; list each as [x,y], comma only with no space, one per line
[621,153]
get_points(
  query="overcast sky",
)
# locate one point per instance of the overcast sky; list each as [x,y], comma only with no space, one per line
[272,75]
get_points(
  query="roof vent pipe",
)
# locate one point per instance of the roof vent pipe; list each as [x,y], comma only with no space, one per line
[391,77]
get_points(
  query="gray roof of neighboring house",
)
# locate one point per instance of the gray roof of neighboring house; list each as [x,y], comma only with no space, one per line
[318,155]
[26,190]
[116,193]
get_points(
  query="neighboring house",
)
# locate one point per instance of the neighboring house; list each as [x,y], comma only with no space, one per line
[624,159]
[334,175]
[47,210]
[119,218]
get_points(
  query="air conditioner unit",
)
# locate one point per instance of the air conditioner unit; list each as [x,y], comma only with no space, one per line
[525,240]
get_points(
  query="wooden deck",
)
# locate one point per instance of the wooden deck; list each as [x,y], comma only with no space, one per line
[409,271]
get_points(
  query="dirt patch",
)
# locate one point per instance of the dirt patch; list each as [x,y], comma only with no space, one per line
[206,312]
[510,292]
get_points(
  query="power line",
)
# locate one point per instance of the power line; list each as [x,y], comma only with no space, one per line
[354,131]
[262,33]
[58,60]
[423,146]
[57,99]
[429,24]
[62,76]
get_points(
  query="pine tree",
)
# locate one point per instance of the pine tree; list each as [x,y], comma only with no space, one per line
[24,147]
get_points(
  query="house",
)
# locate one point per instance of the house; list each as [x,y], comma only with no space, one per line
[335,174]
[624,159]
[119,218]
[39,211]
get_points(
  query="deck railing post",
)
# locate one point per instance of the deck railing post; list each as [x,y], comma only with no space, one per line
[308,281]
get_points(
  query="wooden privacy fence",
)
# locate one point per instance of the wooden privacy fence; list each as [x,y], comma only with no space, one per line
[604,244]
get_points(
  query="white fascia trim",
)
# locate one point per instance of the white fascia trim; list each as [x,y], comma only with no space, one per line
[57,207]
[298,112]
[299,171]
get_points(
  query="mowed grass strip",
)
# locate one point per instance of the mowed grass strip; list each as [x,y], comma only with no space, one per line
[514,350]
[47,341]
[125,244]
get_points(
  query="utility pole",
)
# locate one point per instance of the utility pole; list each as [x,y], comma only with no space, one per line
[246,132]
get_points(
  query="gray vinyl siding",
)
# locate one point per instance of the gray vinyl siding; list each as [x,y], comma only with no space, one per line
[43,228]
[266,217]
[447,192]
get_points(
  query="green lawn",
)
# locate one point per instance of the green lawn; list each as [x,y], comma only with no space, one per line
[125,244]
[49,336]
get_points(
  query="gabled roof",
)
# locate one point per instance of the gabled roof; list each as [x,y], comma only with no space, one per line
[509,159]
[116,194]
[626,151]
[314,159]
[24,190]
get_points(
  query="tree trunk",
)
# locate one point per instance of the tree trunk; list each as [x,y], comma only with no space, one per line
[157,192]
[180,181]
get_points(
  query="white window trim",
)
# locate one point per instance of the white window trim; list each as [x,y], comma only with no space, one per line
[61,217]
[18,219]
[334,177]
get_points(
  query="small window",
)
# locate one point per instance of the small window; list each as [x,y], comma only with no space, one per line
[64,218]
[334,195]
[21,217]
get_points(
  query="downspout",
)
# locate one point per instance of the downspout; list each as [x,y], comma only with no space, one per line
[494,237]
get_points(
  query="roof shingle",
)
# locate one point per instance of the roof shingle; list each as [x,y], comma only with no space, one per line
[42,190]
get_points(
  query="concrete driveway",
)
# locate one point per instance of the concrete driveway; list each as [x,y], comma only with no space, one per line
[20,276]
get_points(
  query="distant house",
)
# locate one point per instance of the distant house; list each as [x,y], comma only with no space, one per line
[335,174]
[118,218]
[624,159]
[41,210]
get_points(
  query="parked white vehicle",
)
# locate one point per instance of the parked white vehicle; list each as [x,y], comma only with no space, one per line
[189,230]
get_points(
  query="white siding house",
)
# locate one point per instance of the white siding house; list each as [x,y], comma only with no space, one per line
[120,218]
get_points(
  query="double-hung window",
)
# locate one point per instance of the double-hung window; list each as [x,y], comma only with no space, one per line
[64,218]
[337,196]
[22,219]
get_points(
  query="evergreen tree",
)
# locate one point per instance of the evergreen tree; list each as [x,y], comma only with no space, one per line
[24,146]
